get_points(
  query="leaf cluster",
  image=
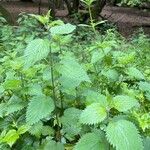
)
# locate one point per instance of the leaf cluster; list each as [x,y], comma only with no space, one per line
[61,88]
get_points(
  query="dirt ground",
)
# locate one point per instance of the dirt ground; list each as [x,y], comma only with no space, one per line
[127,19]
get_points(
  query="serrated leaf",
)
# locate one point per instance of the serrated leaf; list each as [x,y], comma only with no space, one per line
[111,74]
[93,114]
[144,86]
[123,135]
[70,122]
[12,84]
[13,107]
[96,56]
[146,143]
[39,107]
[47,74]
[47,130]
[14,104]
[11,137]
[148,95]
[36,50]
[41,19]
[1,89]
[125,59]
[135,73]
[35,90]
[52,145]
[90,141]
[63,29]
[95,97]
[124,103]
[36,129]
[2,109]
[72,73]
[23,129]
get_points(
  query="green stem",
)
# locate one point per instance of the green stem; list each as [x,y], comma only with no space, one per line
[61,100]
[58,134]
[23,85]
[61,94]
[91,19]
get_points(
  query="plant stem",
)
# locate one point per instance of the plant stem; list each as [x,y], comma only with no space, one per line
[91,19]
[61,94]
[23,85]
[58,134]
[61,100]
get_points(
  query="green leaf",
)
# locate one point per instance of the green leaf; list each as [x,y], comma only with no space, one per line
[36,129]
[91,141]
[70,122]
[13,107]
[12,84]
[39,108]
[72,73]
[35,90]
[123,135]
[47,130]
[14,104]
[146,143]
[124,103]
[62,29]
[2,109]
[47,74]
[93,114]
[11,137]
[41,19]
[88,2]
[23,129]
[126,58]
[97,56]
[111,74]
[1,89]
[135,73]
[144,86]
[36,50]
[95,97]
[148,95]
[52,145]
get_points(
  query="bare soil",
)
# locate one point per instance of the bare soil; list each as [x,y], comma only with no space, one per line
[127,20]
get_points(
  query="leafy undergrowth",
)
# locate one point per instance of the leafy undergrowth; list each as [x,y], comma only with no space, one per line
[67,87]
[132,3]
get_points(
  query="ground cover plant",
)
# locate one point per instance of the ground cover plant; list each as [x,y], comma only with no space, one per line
[71,87]
[133,2]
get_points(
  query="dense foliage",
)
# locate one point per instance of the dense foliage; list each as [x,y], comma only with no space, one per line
[132,2]
[69,87]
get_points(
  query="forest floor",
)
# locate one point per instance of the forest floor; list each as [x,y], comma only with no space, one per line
[126,19]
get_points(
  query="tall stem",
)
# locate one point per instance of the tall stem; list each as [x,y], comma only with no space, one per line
[61,94]
[58,134]
[23,85]
[91,19]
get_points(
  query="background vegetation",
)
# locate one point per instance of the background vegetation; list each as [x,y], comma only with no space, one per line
[73,87]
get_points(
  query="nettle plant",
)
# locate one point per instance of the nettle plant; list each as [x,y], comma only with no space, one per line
[60,93]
